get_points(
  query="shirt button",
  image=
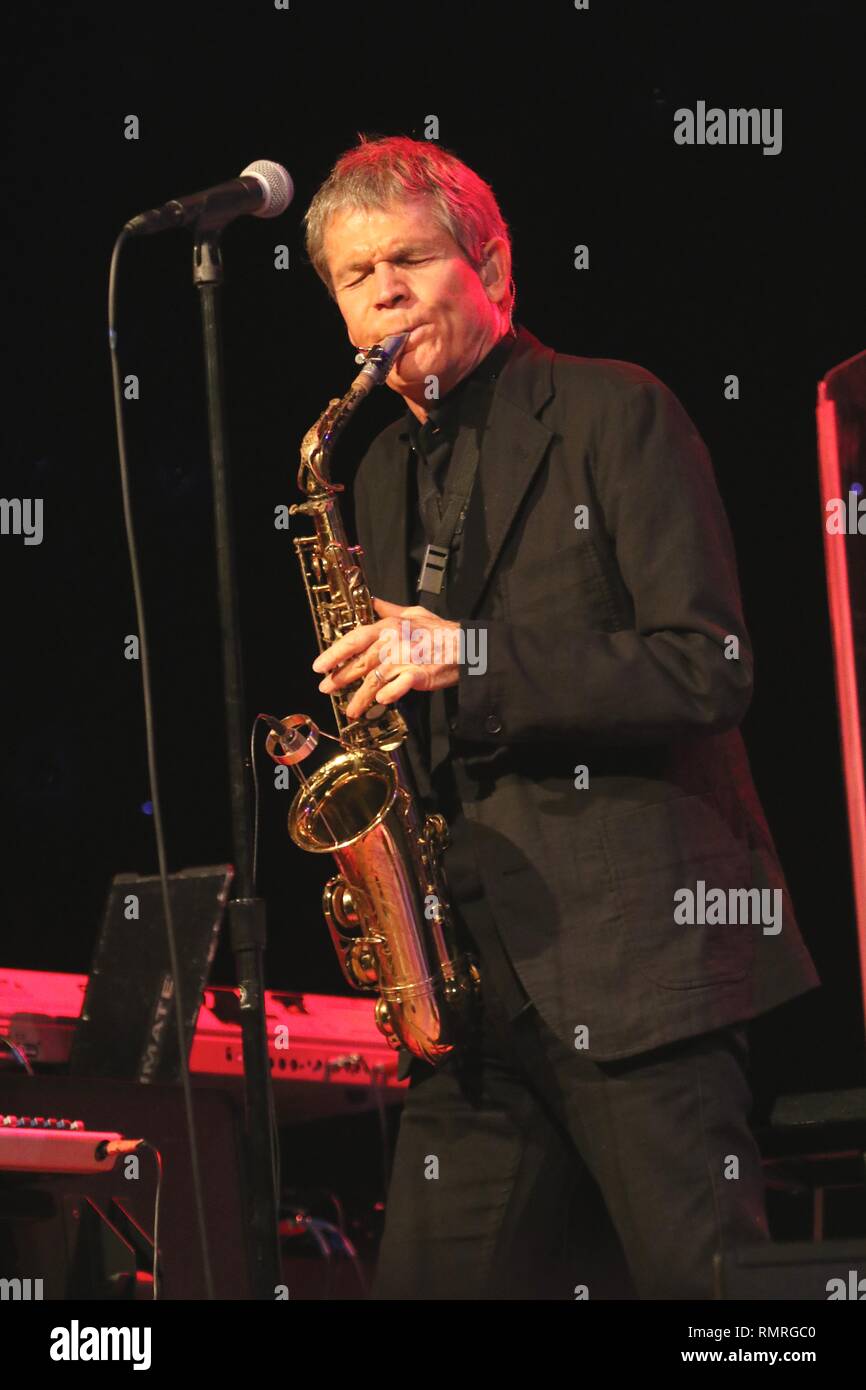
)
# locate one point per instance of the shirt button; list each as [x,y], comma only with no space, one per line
[452,723]
[492,724]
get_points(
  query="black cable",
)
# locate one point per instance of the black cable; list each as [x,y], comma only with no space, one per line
[121,1149]
[158,1156]
[19,1055]
[346,1243]
[255,774]
[275,1135]
[151,759]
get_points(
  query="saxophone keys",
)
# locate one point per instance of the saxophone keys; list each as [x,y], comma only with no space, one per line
[436,832]
[356,952]
[385,1025]
[338,904]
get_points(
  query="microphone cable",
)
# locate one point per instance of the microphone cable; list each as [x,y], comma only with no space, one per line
[151,761]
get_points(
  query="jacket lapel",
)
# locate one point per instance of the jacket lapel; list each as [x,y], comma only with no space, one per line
[512,447]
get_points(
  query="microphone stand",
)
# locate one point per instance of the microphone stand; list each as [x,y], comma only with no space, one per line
[247,914]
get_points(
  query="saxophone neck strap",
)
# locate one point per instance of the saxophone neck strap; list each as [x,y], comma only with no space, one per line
[458,490]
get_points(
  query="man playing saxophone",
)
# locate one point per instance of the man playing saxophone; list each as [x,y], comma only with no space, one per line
[557,517]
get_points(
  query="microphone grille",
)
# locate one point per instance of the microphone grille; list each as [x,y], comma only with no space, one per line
[277,183]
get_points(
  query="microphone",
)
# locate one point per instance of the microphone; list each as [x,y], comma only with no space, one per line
[264,189]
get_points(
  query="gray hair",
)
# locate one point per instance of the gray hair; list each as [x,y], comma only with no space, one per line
[393,168]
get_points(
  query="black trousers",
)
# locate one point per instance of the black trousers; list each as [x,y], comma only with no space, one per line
[524,1171]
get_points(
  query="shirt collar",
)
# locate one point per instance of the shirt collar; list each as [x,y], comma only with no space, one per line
[443,414]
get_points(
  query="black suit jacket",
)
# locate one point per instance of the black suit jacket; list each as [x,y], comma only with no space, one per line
[599,568]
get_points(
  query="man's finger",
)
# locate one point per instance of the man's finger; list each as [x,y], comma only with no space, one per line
[398,686]
[368,692]
[398,610]
[354,669]
[358,640]
[397,681]
[388,610]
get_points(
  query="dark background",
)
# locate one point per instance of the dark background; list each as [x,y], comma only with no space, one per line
[703,262]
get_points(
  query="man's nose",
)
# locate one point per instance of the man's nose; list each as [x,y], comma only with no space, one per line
[389,285]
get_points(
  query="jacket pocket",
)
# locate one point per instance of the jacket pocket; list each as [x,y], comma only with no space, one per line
[680,876]
[566,584]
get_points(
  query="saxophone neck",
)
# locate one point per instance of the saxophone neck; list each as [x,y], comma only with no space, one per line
[314,478]
[314,473]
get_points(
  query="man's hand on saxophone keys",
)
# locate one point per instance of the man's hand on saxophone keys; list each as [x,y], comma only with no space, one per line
[408,649]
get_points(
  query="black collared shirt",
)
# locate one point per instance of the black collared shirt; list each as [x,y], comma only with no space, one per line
[432,446]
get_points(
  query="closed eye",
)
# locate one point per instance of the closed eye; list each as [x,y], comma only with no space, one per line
[401,260]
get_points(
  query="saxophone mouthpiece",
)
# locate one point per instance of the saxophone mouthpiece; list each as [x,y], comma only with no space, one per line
[378,361]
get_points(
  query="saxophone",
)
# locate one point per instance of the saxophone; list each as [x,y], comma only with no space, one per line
[387,909]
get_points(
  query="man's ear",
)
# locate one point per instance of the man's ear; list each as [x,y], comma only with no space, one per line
[495,267]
